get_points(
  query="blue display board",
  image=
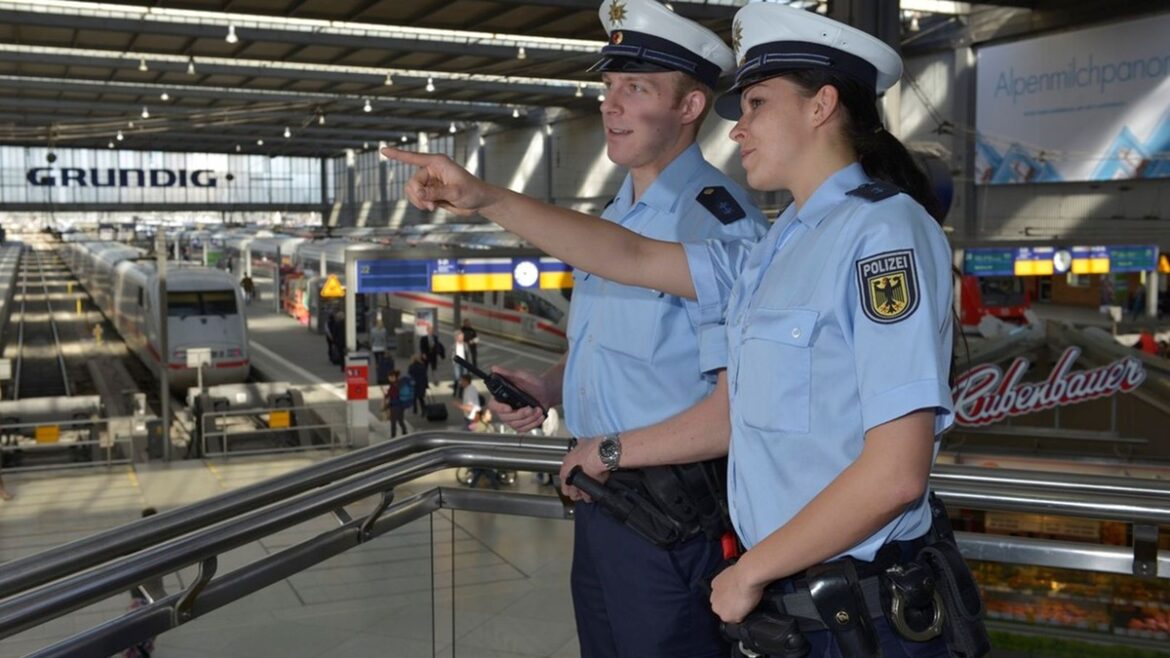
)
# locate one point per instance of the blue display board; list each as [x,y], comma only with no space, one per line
[990,262]
[396,275]
[1133,258]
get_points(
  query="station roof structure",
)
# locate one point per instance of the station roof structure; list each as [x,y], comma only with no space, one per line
[308,77]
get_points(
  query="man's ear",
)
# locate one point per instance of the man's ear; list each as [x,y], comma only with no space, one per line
[693,104]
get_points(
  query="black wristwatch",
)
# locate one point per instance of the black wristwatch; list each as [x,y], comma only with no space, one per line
[610,451]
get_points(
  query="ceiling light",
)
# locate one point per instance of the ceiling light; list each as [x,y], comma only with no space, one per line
[164,96]
[191,66]
[402,139]
[119,136]
[231,35]
[389,79]
[287,132]
[580,92]
[321,119]
[142,65]
[520,54]
[451,129]
[259,142]
[129,124]
[365,146]
[515,113]
[430,84]
[601,97]
[145,112]
[111,144]
[367,107]
[238,148]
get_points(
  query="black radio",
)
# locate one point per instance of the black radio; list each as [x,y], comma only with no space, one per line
[501,388]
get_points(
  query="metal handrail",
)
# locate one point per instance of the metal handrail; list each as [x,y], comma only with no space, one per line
[23,611]
[330,488]
[33,570]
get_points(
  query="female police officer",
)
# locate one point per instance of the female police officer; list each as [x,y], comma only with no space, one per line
[838,323]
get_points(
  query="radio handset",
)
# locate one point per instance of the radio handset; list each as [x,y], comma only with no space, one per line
[501,388]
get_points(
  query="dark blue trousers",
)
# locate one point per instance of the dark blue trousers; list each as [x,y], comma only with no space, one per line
[635,600]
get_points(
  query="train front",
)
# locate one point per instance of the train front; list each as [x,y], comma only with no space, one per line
[205,311]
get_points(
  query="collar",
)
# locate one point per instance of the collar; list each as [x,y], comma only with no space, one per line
[830,193]
[666,190]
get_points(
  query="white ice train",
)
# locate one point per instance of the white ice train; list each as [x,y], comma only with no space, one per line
[534,316]
[203,311]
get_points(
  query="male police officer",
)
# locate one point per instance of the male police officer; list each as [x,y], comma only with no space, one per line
[637,356]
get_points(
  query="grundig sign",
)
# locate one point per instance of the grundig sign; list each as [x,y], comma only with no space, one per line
[93,177]
[986,394]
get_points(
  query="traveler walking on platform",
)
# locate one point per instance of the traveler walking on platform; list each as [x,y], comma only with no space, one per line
[418,372]
[461,351]
[472,337]
[831,429]
[399,396]
[637,357]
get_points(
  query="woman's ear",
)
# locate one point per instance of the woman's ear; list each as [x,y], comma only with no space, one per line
[824,105]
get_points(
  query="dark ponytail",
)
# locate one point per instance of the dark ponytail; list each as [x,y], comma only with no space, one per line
[882,155]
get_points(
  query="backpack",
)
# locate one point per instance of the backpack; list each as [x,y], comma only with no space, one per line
[406,390]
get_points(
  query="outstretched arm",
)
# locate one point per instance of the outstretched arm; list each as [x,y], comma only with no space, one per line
[583,241]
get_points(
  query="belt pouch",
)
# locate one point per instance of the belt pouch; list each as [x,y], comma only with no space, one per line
[836,593]
[768,633]
[963,628]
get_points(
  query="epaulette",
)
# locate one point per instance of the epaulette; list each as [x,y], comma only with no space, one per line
[719,202]
[875,191]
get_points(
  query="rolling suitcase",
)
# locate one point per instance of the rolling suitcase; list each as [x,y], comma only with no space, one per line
[435,411]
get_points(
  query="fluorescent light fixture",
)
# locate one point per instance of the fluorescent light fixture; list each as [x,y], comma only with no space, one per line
[231,35]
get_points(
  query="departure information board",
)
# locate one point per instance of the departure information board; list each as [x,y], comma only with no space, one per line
[1041,260]
[989,262]
[1133,258]
[461,274]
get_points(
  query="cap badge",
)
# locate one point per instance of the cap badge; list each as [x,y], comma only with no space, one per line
[616,37]
[617,12]
[736,35]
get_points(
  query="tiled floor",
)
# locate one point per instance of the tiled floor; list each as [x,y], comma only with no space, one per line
[391,597]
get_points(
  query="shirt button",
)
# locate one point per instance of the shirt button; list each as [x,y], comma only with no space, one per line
[796,332]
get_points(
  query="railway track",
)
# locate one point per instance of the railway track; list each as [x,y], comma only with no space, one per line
[39,366]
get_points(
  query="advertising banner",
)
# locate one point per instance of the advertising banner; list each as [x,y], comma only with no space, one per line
[1092,104]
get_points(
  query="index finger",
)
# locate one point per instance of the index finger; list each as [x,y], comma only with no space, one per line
[409,157]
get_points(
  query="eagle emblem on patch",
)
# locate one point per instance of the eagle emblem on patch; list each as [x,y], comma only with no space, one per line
[888,285]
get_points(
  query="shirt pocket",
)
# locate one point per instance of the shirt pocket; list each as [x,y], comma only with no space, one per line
[629,320]
[775,369]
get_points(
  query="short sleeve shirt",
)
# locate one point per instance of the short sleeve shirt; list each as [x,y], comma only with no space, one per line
[838,321]
[638,356]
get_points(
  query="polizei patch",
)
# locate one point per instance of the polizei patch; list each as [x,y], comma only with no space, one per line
[888,284]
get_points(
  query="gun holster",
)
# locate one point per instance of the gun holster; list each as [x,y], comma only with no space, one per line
[836,593]
[963,627]
[767,633]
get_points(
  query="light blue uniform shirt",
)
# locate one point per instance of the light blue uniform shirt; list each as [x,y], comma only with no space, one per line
[838,321]
[637,356]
